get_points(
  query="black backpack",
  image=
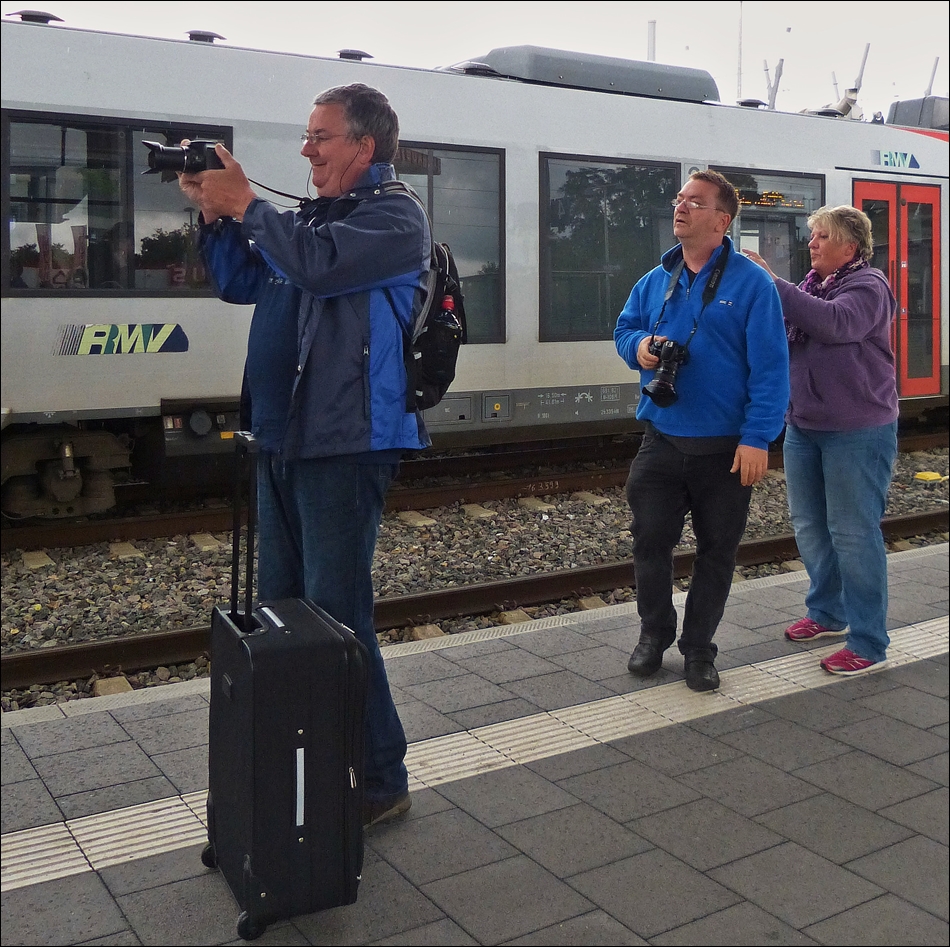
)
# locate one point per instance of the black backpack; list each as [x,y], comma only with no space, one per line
[431,344]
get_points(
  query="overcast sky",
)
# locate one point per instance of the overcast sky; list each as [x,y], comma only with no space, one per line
[819,42]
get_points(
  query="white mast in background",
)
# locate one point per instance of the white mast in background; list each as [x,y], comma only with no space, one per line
[739,77]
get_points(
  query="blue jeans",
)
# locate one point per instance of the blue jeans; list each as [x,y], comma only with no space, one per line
[664,485]
[837,491]
[319,520]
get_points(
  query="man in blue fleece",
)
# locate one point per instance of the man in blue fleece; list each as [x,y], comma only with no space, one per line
[711,403]
[333,286]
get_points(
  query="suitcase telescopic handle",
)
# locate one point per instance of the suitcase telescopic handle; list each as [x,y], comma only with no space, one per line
[246,449]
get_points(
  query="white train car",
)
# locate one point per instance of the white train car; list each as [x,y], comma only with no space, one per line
[550,175]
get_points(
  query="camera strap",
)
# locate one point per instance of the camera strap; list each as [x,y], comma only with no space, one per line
[300,200]
[715,278]
[709,290]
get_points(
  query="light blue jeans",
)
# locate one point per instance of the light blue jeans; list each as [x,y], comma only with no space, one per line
[837,490]
[319,520]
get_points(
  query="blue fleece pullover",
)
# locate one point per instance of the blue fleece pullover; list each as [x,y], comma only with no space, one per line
[736,380]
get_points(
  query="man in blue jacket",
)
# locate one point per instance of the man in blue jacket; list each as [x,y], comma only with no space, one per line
[706,332]
[325,375]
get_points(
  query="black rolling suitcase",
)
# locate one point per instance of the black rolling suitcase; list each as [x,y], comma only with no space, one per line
[285,767]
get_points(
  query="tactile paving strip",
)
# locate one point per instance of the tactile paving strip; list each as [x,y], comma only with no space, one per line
[109,838]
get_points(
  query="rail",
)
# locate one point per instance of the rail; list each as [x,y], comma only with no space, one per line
[75,662]
[479,489]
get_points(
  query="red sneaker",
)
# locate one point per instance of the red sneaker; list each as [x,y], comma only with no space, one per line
[807,630]
[847,662]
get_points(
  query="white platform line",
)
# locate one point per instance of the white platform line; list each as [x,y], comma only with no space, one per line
[110,838]
[461,755]
[41,854]
[91,843]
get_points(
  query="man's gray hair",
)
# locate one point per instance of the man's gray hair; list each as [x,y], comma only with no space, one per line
[367,112]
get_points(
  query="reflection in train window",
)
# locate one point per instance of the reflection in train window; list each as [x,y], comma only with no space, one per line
[84,218]
[773,215]
[603,226]
[922,339]
[462,190]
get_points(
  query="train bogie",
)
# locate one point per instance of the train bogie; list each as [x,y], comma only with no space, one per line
[60,471]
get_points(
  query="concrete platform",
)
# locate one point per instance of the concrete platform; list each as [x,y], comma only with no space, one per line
[556,798]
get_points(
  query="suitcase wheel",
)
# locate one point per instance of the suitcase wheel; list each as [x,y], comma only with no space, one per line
[248,928]
[208,857]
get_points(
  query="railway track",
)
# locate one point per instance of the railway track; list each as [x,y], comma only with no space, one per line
[441,481]
[220,520]
[471,483]
[104,657]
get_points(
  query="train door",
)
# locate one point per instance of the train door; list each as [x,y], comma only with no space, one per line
[906,225]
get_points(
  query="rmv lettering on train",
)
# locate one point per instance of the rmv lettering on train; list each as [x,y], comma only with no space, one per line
[897,159]
[123,339]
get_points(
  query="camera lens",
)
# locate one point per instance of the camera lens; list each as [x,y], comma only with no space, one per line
[164,157]
[661,392]
[168,160]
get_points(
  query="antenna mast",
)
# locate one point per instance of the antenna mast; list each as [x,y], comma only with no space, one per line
[771,86]
[739,77]
[860,79]
[933,75]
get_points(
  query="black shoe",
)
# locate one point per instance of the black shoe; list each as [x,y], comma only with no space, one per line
[382,810]
[701,674]
[647,658]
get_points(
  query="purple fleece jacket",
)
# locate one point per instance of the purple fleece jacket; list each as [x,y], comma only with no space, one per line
[843,372]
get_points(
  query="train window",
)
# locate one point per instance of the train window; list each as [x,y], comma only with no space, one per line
[603,226]
[773,215]
[920,228]
[83,218]
[463,192]
[905,221]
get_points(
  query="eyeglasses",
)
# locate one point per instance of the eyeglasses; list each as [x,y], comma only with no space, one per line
[314,139]
[692,205]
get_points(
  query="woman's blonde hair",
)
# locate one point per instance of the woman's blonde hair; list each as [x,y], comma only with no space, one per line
[846,224]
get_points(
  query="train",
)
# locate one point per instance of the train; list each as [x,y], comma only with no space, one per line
[549,173]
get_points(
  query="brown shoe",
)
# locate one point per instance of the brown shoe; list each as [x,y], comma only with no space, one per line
[383,810]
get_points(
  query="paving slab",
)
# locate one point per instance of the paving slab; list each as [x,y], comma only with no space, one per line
[556,798]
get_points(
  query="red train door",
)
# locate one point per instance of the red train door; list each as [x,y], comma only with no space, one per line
[906,225]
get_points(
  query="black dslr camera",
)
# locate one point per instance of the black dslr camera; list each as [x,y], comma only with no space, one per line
[671,355]
[168,160]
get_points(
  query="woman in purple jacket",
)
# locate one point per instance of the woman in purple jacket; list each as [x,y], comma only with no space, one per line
[841,436]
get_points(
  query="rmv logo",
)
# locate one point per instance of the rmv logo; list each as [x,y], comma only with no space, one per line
[895,159]
[122,339]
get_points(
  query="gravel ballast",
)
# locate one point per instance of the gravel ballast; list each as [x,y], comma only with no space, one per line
[65,596]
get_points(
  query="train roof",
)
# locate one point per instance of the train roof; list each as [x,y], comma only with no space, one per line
[932,111]
[542,66]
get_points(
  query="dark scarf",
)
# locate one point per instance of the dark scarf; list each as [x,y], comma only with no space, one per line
[815,285]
